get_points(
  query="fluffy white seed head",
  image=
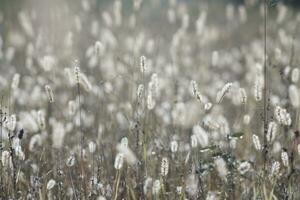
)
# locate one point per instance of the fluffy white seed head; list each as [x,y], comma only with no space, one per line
[275,168]
[6,159]
[48,62]
[124,142]
[150,101]
[15,81]
[258,87]
[11,122]
[72,107]
[92,146]
[221,167]
[295,75]
[156,187]
[247,119]
[140,91]
[211,195]
[143,66]
[126,152]
[244,167]
[194,141]
[276,147]
[294,96]
[286,70]
[164,169]
[99,48]
[153,85]
[77,71]
[242,95]
[16,142]
[70,161]
[201,135]
[222,93]
[179,190]
[49,93]
[282,116]
[196,92]
[101,198]
[194,87]
[41,120]
[232,143]
[256,142]
[35,140]
[147,185]
[19,153]
[285,158]
[210,122]
[119,160]
[192,185]
[271,133]
[207,106]
[51,183]
[174,146]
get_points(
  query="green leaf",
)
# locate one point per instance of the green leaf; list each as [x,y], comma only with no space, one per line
[236,135]
[208,148]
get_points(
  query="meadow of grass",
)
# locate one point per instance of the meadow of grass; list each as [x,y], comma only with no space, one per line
[149,100]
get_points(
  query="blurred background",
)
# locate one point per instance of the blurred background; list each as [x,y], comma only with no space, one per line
[211,42]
